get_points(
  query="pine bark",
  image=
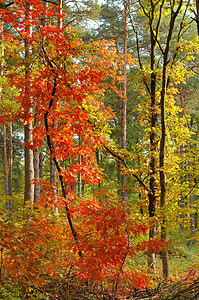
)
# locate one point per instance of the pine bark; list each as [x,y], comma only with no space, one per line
[79,177]
[181,201]
[36,155]
[53,169]
[5,163]
[9,201]
[29,164]
[10,160]
[124,101]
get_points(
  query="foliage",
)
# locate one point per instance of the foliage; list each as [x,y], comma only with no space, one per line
[66,83]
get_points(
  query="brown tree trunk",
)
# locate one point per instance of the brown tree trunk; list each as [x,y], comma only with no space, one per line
[124,100]
[191,205]
[5,165]
[153,149]
[74,184]
[10,160]
[9,202]
[165,266]
[181,201]
[29,164]
[36,154]
[79,177]
[53,169]
[197,15]
[60,4]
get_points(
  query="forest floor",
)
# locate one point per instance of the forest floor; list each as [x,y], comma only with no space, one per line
[76,289]
[186,289]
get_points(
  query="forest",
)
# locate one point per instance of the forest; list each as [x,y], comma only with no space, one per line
[99,172]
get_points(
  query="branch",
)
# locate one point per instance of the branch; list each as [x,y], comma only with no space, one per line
[193,187]
[50,146]
[69,23]
[3,6]
[48,1]
[144,11]
[126,166]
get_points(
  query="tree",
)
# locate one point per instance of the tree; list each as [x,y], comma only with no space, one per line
[159,56]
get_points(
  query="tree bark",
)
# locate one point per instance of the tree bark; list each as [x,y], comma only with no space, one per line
[9,202]
[165,266]
[197,15]
[10,160]
[153,147]
[79,177]
[36,154]
[181,201]
[60,4]
[29,164]
[124,100]
[5,164]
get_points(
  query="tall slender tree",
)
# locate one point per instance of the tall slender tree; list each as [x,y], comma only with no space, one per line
[29,163]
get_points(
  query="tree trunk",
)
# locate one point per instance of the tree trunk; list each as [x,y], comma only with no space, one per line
[60,4]
[165,266]
[10,160]
[29,164]
[197,15]
[53,169]
[182,200]
[124,101]
[191,205]
[153,150]
[5,165]
[9,202]
[36,154]
[79,177]
[73,187]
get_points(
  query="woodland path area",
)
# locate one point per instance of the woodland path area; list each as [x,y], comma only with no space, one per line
[186,289]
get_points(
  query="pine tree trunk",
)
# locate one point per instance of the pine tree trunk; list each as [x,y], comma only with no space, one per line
[36,155]
[191,200]
[9,202]
[74,184]
[60,4]
[5,165]
[79,177]
[124,101]
[29,164]
[10,160]
[181,201]
[53,169]
[191,205]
